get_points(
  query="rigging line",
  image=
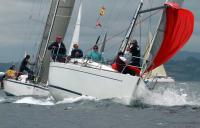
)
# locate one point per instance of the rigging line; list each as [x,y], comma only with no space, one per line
[87,26]
[21,43]
[126,29]
[51,27]
[28,25]
[109,16]
[114,35]
[150,6]
[129,12]
[111,37]
[111,46]
[38,6]
[40,34]
[116,16]
[41,15]
[31,16]
[122,13]
[38,13]
[34,26]
[140,32]
[45,8]
[119,15]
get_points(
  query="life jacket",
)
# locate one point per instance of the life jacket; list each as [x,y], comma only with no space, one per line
[135,69]
[119,65]
[11,73]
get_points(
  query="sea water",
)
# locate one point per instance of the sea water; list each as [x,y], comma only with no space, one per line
[175,105]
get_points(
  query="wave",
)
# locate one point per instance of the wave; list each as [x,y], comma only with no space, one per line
[179,94]
[170,95]
[77,99]
[1,99]
[34,101]
[50,101]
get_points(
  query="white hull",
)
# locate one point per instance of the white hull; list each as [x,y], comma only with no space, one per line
[18,88]
[72,80]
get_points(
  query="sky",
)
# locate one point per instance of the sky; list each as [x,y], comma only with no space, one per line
[22,24]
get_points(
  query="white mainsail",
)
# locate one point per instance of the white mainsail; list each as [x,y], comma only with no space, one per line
[75,38]
[57,23]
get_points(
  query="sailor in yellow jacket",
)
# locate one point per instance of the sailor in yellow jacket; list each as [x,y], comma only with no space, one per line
[11,72]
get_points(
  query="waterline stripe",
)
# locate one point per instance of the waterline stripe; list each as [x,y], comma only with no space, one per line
[77,93]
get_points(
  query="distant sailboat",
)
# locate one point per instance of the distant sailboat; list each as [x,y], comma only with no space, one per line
[56,24]
[101,81]
[158,74]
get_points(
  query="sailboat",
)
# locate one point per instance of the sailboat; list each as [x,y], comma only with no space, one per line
[56,24]
[158,74]
[101,81]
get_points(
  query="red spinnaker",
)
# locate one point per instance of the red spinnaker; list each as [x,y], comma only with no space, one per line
[178,29]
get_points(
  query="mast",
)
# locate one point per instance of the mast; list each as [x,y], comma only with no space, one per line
[57,22]
[103,44]
[131,27]
[75,38]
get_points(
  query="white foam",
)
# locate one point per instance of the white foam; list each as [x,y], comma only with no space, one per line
[2,99]
[77,99]
[23,78]
[168,97]
[2,73]
[31,100]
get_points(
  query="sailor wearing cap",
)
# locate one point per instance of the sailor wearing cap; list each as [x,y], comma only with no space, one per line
[58,50]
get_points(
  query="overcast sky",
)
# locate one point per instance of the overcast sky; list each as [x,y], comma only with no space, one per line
[22,23]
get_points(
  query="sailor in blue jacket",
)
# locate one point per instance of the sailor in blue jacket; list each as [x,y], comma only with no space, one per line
[95,55]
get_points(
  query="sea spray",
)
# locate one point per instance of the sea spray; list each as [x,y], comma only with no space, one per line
[76,99]
[170,96]
[31,100]
[1,99]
